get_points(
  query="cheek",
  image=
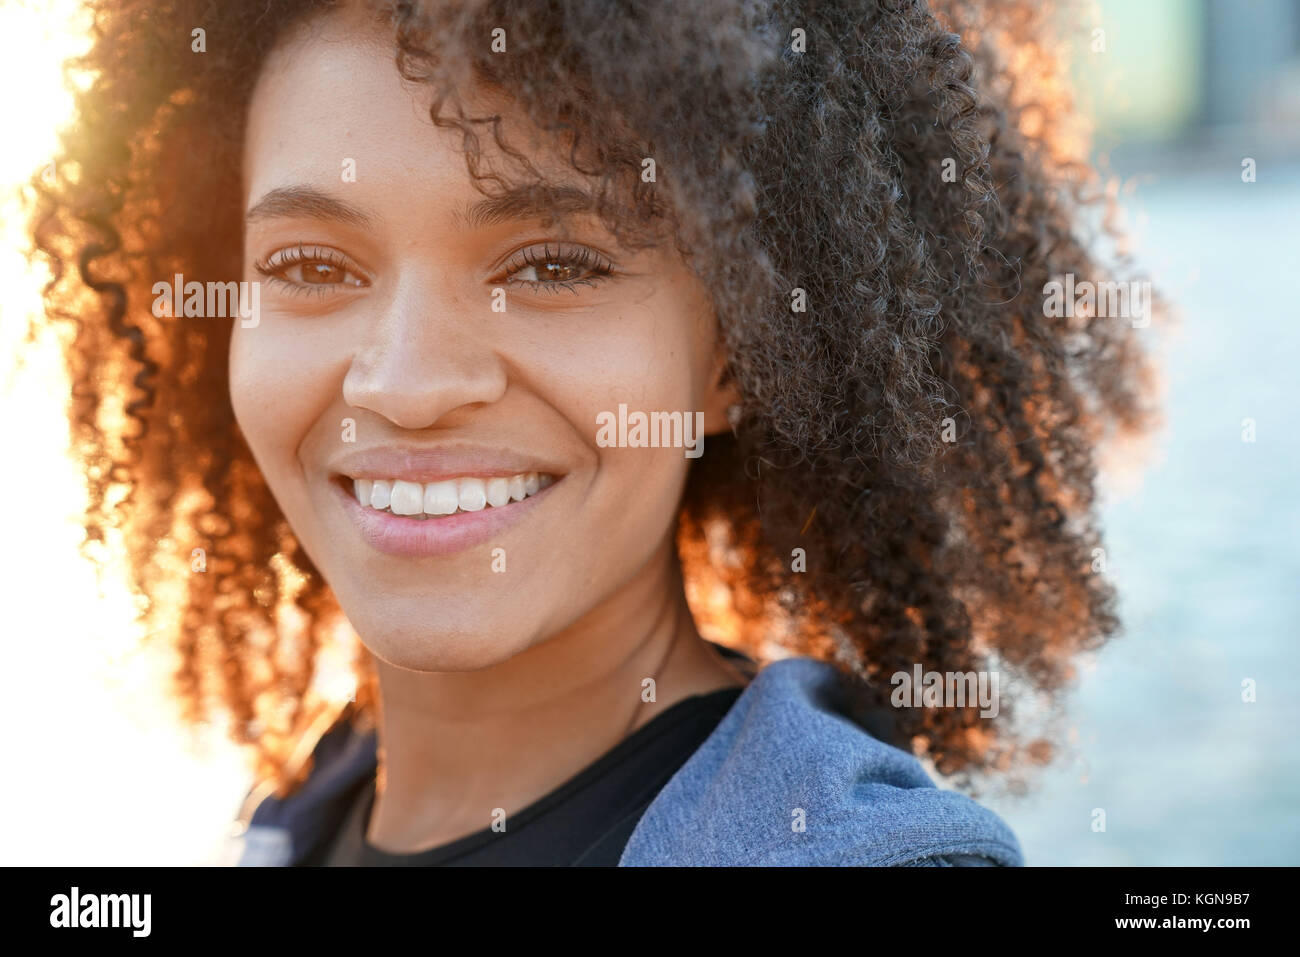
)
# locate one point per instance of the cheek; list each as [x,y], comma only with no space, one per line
[278,390]
[650,356]
[648,362]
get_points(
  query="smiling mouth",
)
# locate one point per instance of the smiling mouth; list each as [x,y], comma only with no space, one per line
[435,500]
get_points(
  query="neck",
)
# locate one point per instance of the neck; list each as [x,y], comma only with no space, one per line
[454,746]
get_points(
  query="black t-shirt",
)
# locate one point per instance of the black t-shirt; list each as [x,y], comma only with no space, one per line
[585,822]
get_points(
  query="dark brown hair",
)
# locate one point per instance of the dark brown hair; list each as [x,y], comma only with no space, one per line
[907,166]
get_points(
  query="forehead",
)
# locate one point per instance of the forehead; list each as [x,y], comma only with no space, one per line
[329,97]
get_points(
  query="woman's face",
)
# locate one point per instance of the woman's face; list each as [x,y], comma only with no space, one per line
[430,351]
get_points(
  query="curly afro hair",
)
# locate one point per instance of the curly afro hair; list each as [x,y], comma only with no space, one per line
[875,192]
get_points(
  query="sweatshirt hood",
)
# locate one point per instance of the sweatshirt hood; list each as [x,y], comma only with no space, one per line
[788,779]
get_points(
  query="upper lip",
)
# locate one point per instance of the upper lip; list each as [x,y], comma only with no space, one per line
[423,465]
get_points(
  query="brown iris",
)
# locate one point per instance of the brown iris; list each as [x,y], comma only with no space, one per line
[557,272]
[321,273]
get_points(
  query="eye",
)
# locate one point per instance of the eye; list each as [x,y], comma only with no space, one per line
[554,267]
[311,269]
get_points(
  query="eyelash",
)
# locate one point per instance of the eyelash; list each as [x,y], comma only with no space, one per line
[597,267]
[292,256]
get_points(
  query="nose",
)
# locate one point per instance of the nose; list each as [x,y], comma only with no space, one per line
[425,357]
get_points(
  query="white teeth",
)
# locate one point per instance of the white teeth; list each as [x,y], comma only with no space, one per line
[471,493]
[517,492]
[498,492]
[449,496]
[440,498]
[407,498]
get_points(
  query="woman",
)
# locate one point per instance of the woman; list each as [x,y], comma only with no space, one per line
[534,345]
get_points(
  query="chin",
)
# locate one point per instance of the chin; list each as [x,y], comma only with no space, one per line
[425,644]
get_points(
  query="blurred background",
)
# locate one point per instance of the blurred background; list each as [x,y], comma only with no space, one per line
[1196,111]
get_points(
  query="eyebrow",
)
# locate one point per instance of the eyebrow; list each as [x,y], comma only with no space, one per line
[526,202]
[305,202]
[523,202]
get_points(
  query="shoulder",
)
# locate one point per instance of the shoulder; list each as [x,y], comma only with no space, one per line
[788,779]
[295,829]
